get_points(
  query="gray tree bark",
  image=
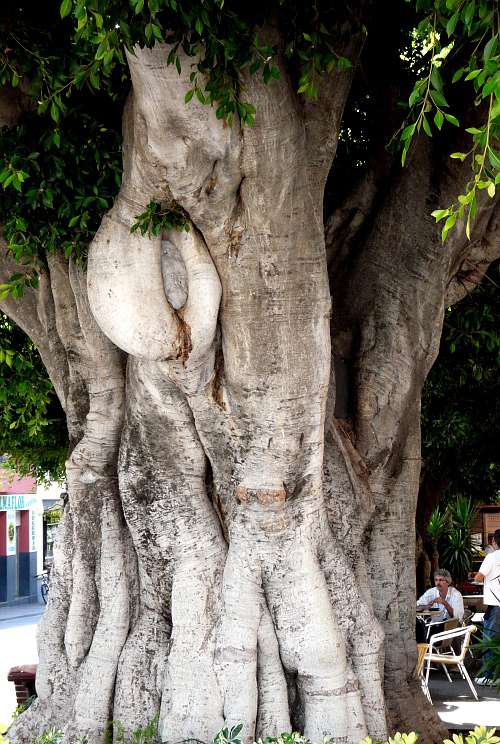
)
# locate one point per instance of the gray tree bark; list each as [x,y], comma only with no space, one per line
[239,542]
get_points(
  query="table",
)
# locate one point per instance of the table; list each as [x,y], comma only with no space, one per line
[477,600]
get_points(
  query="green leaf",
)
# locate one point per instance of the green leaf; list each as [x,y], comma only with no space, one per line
[343,63]
[450,221]
[491,190]
[450,26]
[408,132]
[157,32]
[426,126]
[440,213]
[189,95]
[438,98]
[451,119]
[490,48]
[491,86]
[438,119]
[458,156]
[65,8]
[458,75]
[436,79]
[473,74]
[254,67]
[494,159]
[469,13]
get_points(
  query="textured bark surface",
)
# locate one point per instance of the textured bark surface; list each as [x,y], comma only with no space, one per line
[239,540]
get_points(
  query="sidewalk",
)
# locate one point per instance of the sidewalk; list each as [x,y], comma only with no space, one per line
[456,705]
[18,646]
[20,612]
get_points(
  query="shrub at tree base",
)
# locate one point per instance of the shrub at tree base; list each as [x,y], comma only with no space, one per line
[149,735]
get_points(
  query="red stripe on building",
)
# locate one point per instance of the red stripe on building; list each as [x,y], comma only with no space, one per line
[24,532]
[3,533]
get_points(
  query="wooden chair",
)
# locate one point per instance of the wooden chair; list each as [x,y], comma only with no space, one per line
[442,652]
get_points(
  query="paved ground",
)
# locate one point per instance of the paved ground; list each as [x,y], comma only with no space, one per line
[17,644]
[456,705]
[454,702]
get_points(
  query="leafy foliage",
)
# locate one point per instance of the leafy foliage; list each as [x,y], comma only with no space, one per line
[452,531]
[437,525]
[491,664]
[22,707]
[447,28]
[461,397]
[154,218]
[455,544]
[53,737]
[480,735]
[33,429]
[398,739]
[229,736]
[146,735]
[70,174]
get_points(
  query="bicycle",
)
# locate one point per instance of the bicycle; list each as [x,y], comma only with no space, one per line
[44,589]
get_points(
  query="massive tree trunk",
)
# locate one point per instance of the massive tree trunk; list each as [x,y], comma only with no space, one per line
[239,538]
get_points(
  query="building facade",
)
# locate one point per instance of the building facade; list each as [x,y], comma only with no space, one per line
[28,519]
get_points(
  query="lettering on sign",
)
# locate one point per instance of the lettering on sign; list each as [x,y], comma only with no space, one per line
[13,502]
[32,531]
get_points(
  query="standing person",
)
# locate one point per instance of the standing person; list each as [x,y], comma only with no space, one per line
[489,572]
[489,547]
[444,597]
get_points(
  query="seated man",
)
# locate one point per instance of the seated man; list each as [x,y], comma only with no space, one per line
[443,597]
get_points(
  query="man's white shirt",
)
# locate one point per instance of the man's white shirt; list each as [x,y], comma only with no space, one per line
[490,568]
[453,597]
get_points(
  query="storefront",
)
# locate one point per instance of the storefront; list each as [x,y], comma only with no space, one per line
[29,515]
[19,540]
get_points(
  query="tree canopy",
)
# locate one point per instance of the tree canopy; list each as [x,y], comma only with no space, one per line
[33,432]
[460,400]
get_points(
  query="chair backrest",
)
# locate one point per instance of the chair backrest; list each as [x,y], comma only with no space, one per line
[450,624]
[422,650]
[467,616]
[449,635]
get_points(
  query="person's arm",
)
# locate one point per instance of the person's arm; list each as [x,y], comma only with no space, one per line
[423,601]
[446,605]
[458,605]
[484,568]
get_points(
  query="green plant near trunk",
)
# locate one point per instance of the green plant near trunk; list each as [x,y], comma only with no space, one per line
[437,525]
[452,531]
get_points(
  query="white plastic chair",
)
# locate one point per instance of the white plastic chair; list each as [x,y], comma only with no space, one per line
[445,654]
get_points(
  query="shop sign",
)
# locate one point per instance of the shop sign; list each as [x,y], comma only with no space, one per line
[11,533]
[14,501]
[32,531]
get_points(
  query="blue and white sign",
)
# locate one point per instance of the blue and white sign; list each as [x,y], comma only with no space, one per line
[14,501]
